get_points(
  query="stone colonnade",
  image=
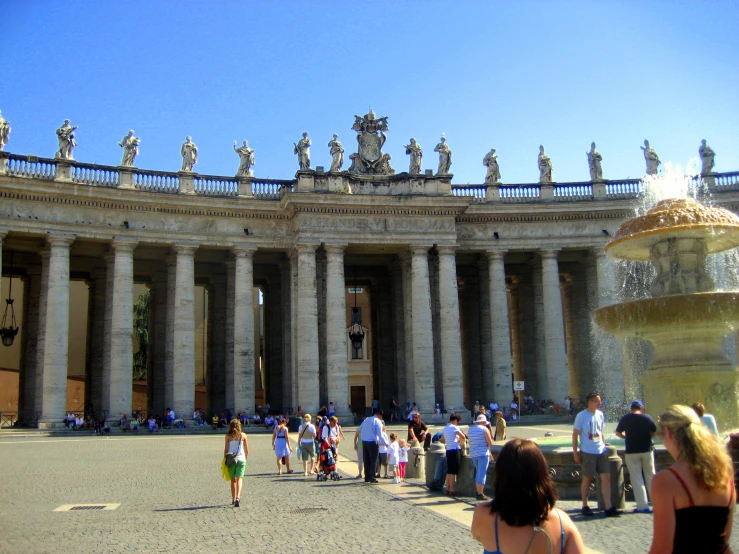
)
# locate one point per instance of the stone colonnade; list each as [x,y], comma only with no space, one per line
[426,370]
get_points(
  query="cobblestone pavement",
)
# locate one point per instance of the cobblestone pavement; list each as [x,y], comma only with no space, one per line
[172,499]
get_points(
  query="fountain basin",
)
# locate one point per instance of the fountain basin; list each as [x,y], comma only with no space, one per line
[689,364]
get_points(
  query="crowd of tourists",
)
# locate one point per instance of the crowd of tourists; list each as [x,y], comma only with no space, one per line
[696,492]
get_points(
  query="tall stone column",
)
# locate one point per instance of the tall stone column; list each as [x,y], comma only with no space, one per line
[107,336]
[243,328]
[500,328]
[54,398]
[471,327]
[423,346]
[338,371]
[399,333]
[157,395]
[229,332]
[184,332]
[539,343]
[33,331]
[307,329]
[41,341]
[451,340]
[486,337]
[120,390]
[609,361]
[217,379]
[554,333]
[410,380]
[287,336]
[169,367]
[97,339]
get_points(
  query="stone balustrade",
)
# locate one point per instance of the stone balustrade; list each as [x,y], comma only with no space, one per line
[47,169]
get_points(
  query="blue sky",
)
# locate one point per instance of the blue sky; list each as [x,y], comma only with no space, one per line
[508,75]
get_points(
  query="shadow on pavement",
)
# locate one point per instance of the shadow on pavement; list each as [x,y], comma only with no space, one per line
[190,508]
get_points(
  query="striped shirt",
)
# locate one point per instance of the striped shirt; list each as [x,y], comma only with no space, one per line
[478,443]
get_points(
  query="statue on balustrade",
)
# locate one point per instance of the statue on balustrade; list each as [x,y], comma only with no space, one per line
[130,145]
[414,151]
[369,158]
[246,155]
[491,161]
[445,156]
[302,149]
[189,153]
[337,154]
[651,157]
[705,152]
[65,135]
[545,167]
[4,131]
[594,159]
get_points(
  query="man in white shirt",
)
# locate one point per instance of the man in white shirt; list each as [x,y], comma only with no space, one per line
[589,427]
[371,431]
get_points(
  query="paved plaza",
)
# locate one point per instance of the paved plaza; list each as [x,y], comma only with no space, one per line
[171,498]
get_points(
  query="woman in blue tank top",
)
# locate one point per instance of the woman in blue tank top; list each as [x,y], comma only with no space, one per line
[521,519]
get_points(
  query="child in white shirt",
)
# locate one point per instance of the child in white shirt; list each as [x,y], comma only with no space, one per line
[392,457]
[403,449]
[382,462]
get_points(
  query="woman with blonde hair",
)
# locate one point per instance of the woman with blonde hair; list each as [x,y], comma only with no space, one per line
[693,500]
[236,443]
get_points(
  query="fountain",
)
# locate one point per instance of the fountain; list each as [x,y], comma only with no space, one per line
[685,319]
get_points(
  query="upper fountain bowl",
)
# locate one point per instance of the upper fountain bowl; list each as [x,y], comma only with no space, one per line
[675,218]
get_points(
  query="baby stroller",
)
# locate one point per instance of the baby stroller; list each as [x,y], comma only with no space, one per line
[327,459]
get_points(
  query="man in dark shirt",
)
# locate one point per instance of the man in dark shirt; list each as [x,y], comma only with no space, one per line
[638,429]
[418,431]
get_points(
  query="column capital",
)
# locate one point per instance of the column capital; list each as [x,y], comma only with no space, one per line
[335,249]
[242,250]
[419,249]
[600,254]
[184,249]
[123,245]
[59,241]
[495,254]
[447,250]
[306,248]
[549,253]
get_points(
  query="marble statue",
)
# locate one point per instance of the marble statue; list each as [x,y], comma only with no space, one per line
[445,156]
[369,158]
[414,151]
[189,153]
[491,162]
[594,159]
[130,145]
[65,135]
[337,154]
[651,157]
[706,153]
[302,149]
[246,155]
[4,131]
[545,167]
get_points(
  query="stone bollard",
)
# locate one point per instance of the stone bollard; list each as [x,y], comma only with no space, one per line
[416,467]
[616,469]
[466,478]
[436,452]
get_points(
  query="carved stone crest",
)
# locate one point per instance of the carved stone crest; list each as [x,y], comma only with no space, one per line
[369,159]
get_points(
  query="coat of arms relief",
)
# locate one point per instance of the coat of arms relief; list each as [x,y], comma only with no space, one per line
[369,159]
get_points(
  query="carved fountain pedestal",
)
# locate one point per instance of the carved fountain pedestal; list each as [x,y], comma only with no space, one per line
[685,320]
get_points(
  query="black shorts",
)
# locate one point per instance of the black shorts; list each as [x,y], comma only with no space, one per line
[383,459]
[453,461]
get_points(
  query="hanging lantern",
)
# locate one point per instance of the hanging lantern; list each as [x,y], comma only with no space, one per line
[9,326]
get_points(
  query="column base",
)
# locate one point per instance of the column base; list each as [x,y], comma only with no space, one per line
[50,424]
